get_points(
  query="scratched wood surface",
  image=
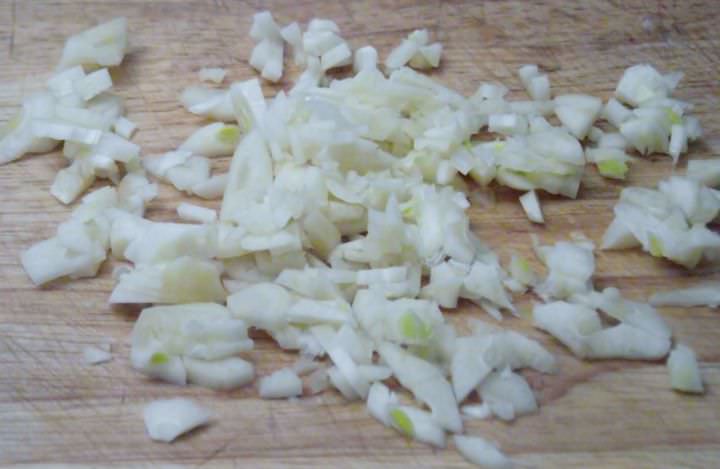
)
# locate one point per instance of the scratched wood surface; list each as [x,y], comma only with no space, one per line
[56,410]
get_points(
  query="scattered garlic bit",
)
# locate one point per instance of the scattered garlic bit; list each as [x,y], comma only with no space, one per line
[144,242]
[658,122]
[641,334]
[508,124]
[212,188]
[380,403]
[577,112]
[640,315]
[279,385]
[96,355]
[17,137]
[94,160]
[531,206]
[366,59]
[616,113]
[522,273]
[570,269]
[684,370]
[214,75]
[416,52]
[507,394]
[475,357]
[93,84]
[222,374]
[579,328]
[182,280]
[706,172]
[208,102]
[196,213]
[267,56]
[611,162]
[338,56]
[707,294]
[193,343]
[629,342]
[536,84]
[181,168]
[292,35]
[427,384]
[77,109]
[417,424]
[317,382]
[481,452]
[124,128]
[476,411]
[305,365]
[669,222]
[322,41]
[643,83]
[104,45]
[81,243]
[167,419]
[571,324]
[548,158]
[216,139]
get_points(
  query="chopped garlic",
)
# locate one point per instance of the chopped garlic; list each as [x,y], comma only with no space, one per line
[427,384]
[531,206]
[281,384]
[191,342]
[417,424]
[684,370]
[104,45]
[577,112]
[707,294]
[705,171]
[196,213]
[481,452]
[167,419]
[124,127]
[213,74]
[96,355]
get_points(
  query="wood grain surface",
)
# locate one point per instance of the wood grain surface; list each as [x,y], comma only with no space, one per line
[56,410]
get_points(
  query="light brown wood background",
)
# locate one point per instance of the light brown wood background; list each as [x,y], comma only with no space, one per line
[56,410]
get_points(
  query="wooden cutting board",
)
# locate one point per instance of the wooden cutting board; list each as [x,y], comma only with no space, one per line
[55,409]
